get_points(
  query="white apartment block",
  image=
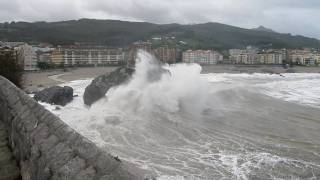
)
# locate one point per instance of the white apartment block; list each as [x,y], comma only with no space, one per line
[238,56]
[202,57]
[91,56]
[27,55]
[304,57]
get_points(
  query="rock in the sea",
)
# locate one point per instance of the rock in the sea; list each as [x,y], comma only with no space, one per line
[100,85]
[55,95]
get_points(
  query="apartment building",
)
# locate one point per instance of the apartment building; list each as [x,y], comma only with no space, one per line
[87,55]
[27,55]
[24,53]
[203,57]
[44,54]
[57,57]
[272,56]
[304,57]
[166,54]
[244,56]
[238,56]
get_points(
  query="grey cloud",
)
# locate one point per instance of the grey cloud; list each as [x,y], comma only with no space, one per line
[287,16]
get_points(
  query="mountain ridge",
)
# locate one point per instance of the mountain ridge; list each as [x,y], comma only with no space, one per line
[119,33]
[262,28]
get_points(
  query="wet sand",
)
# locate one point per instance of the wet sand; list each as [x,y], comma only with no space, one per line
[42,79]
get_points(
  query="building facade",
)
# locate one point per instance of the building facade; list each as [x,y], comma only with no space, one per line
[87,56]
[304,57]
[57,57]
[202,57]
[27,54]
[238,56]
[166,54]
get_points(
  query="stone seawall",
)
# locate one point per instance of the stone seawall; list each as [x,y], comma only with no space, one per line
[47,148]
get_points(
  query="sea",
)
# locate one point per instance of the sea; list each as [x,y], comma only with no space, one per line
[189,125]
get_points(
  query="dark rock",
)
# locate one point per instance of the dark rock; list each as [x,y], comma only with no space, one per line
[55,95]
[117,158]
[100,85]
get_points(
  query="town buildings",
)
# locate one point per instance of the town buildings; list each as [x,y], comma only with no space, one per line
[9,52]
[272,56]
[203,57]
[87,56]
[57,56]
[90,55]
[253,56]
[167,54]
[24,53]
[44,54]
[27,54]
[304,57]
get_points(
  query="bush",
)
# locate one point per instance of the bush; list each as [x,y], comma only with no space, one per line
[46,65]
[11,69]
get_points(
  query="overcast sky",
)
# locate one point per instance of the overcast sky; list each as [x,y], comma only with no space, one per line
[287,16]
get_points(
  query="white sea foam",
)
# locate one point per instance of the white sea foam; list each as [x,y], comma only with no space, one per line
[146,121]
[293,87]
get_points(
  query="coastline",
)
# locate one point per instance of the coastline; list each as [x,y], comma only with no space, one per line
[33,81]
[250,69]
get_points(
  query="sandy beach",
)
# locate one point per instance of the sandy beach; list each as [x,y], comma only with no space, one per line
[42,79]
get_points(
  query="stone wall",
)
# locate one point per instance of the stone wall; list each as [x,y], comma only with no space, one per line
[47,148]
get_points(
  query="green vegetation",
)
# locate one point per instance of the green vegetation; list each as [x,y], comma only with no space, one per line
[120,33]
[45,65]
[11,69]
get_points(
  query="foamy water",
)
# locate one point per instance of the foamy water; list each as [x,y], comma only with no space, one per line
[187,125]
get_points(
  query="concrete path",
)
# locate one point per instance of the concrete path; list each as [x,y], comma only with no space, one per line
[8,166]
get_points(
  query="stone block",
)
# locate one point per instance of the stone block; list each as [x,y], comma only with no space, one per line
[40,134]
[55,123]
[85,148]
[72,168]
[48,143]
[87,174]
[106,163]
[64,132]
[59,156]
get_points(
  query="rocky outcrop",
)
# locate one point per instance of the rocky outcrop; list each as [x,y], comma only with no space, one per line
[47,148]
[55,95]
[100,85]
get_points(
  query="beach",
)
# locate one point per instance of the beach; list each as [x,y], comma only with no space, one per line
[36,80]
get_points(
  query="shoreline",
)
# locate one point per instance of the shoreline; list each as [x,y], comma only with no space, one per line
[250,69]
[33,81]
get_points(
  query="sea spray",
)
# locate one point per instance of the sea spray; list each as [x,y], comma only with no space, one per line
[157,89]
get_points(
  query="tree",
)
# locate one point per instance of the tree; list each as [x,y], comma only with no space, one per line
[10,68]
[48,65]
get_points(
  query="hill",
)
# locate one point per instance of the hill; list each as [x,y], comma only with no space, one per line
[262,28]
[122,33]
